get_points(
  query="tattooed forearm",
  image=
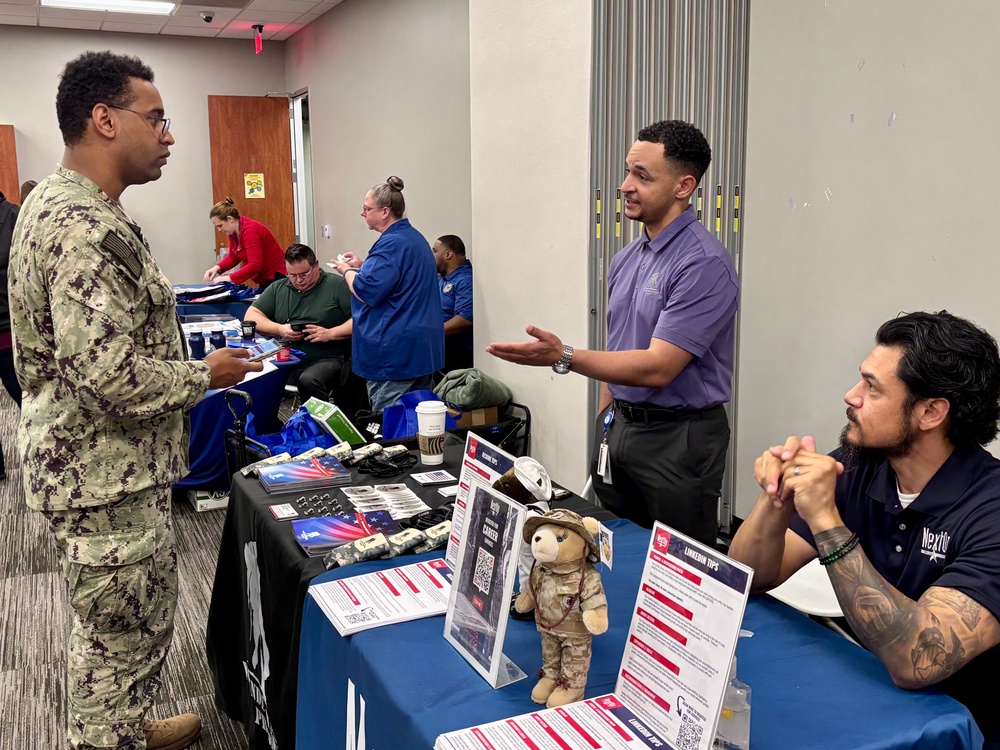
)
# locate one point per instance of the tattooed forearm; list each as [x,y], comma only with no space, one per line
[931,659]
[970,611]
[920,643]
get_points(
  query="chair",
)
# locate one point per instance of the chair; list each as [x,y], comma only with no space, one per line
[809,591]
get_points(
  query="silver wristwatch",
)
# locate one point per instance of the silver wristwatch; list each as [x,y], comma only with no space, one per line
[562,366]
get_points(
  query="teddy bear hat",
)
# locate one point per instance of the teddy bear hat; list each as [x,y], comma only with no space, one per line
[565,518]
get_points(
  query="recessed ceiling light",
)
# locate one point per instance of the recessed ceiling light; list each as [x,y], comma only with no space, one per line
[149,7]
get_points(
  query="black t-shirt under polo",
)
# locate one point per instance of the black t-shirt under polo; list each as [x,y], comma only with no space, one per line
[949,537]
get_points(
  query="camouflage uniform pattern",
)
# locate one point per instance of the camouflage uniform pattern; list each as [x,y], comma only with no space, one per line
[98,350]
[357,551]
[566,647]
[120,562]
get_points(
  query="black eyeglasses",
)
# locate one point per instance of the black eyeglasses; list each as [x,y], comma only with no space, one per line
[368,209]
[164,121]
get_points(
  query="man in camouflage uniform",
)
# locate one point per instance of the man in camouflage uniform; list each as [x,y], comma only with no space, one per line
[103,434]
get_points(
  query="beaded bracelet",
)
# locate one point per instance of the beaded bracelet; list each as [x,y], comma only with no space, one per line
[841,551]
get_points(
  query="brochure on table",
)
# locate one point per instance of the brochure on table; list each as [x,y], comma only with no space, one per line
[674,670]
[484,461]
[410,592]
[476,620]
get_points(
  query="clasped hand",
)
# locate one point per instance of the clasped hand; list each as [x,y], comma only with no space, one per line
[794,474]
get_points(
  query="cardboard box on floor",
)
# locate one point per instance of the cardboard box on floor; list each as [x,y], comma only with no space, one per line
[202,500]
[476,417]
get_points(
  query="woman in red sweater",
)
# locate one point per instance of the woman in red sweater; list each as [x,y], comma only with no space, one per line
[250,243]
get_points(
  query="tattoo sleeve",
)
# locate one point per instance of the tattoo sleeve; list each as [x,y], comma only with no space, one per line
[916,641]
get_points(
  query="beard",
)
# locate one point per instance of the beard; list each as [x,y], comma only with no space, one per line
[855,453]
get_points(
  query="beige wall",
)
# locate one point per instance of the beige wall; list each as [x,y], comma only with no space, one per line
[530,82]
[388,85]
[173,211]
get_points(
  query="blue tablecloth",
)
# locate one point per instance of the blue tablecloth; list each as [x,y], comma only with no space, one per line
[211,418]
[811,688]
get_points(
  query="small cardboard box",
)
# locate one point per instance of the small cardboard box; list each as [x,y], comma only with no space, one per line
[202,500]
[477,417]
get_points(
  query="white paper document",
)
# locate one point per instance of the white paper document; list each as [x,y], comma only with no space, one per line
[410,592]
[484,462]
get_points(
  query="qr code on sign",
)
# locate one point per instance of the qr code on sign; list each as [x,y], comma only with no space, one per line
[356,618]
[484,571]
[689,735]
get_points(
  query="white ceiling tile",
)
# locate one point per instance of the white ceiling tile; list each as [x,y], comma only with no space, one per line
[288,6]
[131,28]
[17,20]
[136,19]
[207,31]
[268,16]
[70,23]
[79,15]
[17,10]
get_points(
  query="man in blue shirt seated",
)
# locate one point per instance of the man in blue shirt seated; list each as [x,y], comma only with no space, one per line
[455,279]
[906,514]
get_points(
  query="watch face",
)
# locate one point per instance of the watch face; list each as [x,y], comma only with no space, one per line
[560,368]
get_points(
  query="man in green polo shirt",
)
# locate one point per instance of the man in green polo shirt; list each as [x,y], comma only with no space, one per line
[311,309]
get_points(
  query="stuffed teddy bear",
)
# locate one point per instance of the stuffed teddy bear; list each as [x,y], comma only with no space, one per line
[570,607]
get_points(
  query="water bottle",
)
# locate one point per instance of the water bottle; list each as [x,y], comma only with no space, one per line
[734,722]
[217,339]
[196,343]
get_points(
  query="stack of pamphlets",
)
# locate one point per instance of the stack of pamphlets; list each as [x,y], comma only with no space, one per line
[398,499]
[317,536]
[304,475]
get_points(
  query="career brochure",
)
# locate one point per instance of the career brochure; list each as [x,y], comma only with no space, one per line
[304,475]
[409,592]
[317,536]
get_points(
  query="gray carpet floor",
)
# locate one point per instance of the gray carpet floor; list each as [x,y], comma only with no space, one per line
[35,612]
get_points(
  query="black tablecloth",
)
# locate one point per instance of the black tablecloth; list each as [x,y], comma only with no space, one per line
[249,645]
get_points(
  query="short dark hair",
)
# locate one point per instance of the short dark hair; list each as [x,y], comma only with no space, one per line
[296,253]
[91,79]
[945,356]
[453,242]
[684,146]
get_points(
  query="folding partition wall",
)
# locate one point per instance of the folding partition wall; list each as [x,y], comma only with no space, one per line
[665,60]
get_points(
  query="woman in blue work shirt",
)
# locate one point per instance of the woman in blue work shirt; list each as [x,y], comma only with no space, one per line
[398,341]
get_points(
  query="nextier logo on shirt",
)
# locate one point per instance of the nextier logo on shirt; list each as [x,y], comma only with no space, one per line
[652,287]
[934,545]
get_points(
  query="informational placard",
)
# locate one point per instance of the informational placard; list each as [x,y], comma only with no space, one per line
[476,620]
[253,184]
[682,638]
[598,723]
[410,592]
[483,461]
[674,670]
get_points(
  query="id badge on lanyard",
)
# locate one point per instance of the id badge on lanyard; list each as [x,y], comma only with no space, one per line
[603,459]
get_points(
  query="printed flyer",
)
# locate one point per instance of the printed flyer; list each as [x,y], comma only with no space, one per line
[482,461]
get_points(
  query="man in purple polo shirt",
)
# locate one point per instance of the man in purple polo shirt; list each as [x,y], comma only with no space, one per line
[662,434]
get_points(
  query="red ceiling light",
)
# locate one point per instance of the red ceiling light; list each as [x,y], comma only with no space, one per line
[258,40]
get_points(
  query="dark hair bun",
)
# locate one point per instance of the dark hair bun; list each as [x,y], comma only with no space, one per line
[229,201]
[395,184]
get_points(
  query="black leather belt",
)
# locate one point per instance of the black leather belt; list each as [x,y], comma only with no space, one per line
[644,414]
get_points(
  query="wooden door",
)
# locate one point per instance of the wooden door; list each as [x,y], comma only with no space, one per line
[251,135]
[9,184]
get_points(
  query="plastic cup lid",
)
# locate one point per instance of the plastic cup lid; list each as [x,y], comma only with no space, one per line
[431,407]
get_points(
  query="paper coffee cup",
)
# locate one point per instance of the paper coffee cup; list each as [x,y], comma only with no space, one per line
[430,431]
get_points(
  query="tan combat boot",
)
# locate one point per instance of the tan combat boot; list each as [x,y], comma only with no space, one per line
[174,733]
[543,690]
[563,695]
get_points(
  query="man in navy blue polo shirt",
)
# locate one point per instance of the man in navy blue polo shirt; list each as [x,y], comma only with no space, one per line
[455,279]
[906,514]
[662,434]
